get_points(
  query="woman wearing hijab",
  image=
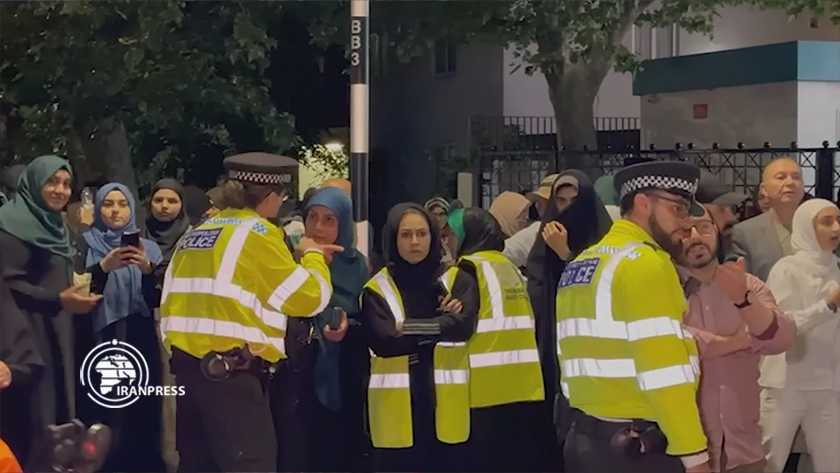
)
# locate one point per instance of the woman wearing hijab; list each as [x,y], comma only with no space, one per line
[320,398]
[168,221]
[339,380]
[511,211]
[505,386]
[439,209]
[574,220]
[196,204]
[421,422]
[36,258]
[125,276]
[166,225]
[806,286]
[216,196]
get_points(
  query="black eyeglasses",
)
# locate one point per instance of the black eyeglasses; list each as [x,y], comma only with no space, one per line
[704,227]
[681,208]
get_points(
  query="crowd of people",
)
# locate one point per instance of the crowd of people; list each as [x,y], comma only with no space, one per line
[652,320]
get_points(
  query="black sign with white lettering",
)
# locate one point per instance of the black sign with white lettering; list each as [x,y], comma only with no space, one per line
[200,239]
[579,273]
[358,49]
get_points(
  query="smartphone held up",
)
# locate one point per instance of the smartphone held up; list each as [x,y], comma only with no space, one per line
[130,239]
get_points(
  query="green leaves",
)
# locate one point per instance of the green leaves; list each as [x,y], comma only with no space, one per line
[179,75]
[828,9]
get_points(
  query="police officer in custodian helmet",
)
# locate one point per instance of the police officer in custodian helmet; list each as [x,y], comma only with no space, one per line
[227,294]
[628,368]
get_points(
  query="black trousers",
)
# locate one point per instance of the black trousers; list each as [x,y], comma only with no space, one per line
[135,429]
[506,438]
[311,437]
[223,426]
[589,449]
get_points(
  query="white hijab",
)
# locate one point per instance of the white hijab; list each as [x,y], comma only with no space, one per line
[803,239]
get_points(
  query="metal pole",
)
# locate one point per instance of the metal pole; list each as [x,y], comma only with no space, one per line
[359,119]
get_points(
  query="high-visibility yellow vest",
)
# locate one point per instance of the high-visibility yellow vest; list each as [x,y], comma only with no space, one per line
[389,395]
[233,281]
[622,350]
[504,360]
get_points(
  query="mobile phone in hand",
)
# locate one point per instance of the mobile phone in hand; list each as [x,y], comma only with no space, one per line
[130,239]
[440,289]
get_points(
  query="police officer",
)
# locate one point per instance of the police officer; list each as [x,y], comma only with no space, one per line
[227,294]
[627,367]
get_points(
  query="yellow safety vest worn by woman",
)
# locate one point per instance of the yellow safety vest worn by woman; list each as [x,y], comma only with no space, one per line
[504,361]
[233,281]
[389,395]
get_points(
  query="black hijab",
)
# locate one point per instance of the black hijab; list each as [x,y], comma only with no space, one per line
[410,278]
[167,234]
[482,232]
[587,221]
[196,203]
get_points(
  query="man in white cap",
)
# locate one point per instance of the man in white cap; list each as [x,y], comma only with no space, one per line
[518,246]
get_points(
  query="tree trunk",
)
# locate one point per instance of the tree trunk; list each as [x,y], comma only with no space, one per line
[572,92]
[108,153]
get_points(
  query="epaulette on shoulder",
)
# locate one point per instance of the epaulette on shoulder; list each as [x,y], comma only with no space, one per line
[652,245]
[611,250]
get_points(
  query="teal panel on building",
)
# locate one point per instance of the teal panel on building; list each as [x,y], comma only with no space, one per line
[782,62]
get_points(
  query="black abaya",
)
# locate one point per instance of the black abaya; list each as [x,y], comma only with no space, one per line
[33,278]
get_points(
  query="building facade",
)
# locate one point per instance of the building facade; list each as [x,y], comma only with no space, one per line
[421,111]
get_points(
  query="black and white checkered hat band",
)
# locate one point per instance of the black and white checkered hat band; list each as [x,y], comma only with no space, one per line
[263,178]
[658,182]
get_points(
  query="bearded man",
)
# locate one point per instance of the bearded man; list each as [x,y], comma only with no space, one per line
[735,321]
[720,202]
[622,351]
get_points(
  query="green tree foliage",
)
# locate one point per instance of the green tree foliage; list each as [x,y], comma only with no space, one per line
[149,83]
[574,44]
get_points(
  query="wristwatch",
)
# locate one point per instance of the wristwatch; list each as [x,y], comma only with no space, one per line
[748,300]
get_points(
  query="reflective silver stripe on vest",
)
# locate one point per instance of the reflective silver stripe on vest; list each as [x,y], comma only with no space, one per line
[499,358]
[225,328]
[390,296]
[293,282]
[389,381]
[498,320]
[222,286]
[452,376]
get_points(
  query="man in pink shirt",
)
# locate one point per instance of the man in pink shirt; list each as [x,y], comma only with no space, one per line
[735,321]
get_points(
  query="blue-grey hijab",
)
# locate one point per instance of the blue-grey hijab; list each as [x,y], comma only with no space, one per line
[123,295]
[349,273]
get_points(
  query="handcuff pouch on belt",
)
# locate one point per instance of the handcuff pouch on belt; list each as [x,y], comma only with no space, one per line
[217,366]
[639,438]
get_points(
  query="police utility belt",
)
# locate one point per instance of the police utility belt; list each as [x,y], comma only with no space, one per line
[219,366]
[632,438]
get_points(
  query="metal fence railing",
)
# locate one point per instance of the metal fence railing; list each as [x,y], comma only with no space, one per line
[741,168]
[540,133]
